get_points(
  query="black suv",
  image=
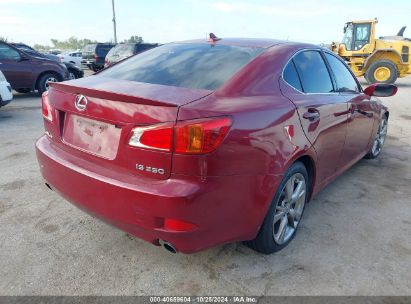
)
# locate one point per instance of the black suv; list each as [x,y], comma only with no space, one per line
[94,55]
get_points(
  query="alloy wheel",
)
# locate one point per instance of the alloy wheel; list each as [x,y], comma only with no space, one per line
[289,208]
[380,137]
[49,79]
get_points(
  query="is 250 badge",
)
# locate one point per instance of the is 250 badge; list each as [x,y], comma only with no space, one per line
[150,169]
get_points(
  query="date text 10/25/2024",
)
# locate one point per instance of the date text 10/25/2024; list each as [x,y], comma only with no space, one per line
[204,299]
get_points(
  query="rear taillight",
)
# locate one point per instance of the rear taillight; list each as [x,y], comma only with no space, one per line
[47,110]
[187,137]
[157,137]
[200,136]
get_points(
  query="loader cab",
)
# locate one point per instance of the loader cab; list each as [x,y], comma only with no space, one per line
[357,35]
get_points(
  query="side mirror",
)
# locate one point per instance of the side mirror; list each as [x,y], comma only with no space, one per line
[24,57]
[381,90]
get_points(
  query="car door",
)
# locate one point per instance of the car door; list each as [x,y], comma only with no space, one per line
[322,111]
[15,67]
[362,114]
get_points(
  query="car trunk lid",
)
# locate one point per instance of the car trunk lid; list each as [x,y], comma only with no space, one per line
[100,125]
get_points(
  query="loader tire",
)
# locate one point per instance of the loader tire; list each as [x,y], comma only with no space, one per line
[382,71]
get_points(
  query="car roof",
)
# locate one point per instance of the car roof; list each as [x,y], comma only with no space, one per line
[245,42]
[252,42]
[100,43]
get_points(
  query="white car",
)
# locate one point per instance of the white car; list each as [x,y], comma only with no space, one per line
[5,91]
[72,57]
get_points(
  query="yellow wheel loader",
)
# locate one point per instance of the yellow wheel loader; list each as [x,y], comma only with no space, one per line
[380,60]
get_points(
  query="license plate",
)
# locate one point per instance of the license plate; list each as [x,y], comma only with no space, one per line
[91,136]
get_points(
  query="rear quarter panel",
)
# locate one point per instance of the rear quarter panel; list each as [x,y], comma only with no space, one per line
[265,135]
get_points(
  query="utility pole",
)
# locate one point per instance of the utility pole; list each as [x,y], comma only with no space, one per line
[114,22]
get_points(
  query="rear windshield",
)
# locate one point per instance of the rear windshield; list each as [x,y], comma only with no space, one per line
[122,50]
[196,66]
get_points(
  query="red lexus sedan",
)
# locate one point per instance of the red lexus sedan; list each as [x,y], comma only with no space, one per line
[200,143]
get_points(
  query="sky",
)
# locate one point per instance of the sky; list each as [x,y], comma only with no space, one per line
[314,21]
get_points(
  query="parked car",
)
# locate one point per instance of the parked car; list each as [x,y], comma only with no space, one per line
[94,54]
[74,71]
[125,50]
[5,91]
[195,144]
[72,57]
[27,72]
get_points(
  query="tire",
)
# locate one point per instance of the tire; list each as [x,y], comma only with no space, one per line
[23,91]
[42,84]
[72,75]
[386,69]
[379,139]
[283,214]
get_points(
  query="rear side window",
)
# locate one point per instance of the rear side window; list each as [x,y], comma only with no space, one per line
[196,66]
[345,80]
[102,50]
[290,75]
[313,72]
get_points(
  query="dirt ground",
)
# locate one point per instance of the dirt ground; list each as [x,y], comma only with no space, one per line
[355,237]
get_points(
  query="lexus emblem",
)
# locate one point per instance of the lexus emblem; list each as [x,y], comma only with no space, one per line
[81,102]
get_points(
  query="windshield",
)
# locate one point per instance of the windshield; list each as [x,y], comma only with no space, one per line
[347,39]
[196,66]
[362,35]
[31,52]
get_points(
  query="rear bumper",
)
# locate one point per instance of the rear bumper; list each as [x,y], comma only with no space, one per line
[224,209]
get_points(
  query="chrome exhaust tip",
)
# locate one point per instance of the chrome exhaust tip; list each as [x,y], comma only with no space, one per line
[168,246]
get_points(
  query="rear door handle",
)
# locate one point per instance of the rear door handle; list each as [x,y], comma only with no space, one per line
[312,115]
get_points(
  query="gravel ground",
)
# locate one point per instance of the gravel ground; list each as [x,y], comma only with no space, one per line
[354,238]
